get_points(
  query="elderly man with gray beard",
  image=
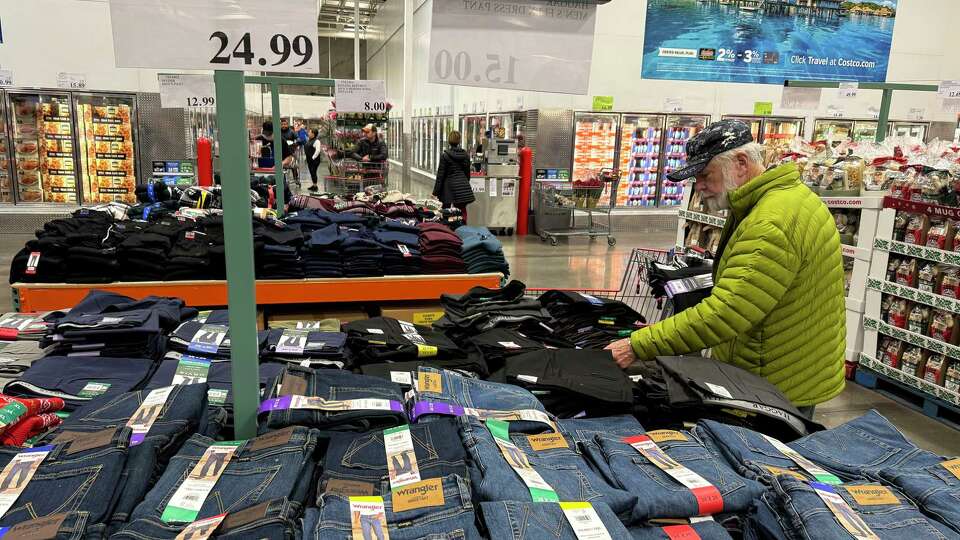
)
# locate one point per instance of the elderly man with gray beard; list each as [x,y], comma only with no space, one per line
[777,305]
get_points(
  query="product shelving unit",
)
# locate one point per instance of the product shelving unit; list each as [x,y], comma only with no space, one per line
[935,400]
[861,254]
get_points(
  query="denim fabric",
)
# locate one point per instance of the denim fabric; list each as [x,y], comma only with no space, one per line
[705,530]
[452,521]
[72,526]
[808,517]
[862,447]
[362,457]
[219,377]
[474,393]
[660,495]
[934,489]
[567,472]
[584,433]
[85,481]
[335,386]
[181,415]
[517,520]
[745,450]
[65,377]
[250,478]
[277,519]
[765,521]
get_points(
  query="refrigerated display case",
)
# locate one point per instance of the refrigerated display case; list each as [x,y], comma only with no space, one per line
[594,144]
[106,146]
[833,130]
[679,129]
[6,149]
[472,128]
[43,135]
[641,137]
[865,131]
[910,129]
[511,122]
[783,127]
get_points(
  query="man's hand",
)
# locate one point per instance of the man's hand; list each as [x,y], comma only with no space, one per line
[366,158]
[622,352]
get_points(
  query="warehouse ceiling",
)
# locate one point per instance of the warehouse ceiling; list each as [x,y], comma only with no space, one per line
[336,16]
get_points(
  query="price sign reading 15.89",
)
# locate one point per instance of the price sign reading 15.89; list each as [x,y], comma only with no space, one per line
[240,35]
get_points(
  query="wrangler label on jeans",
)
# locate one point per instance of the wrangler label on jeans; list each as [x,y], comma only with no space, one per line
[662,435]
[777,471]
[872,495]
[208,339]
[953,466]
[540,490]
[321,404]
[191,370]
[368,519]
[547,441]
[292,341]
[418,495]
[187,501]
[818,473]
[147,413]
[217,396]
[35,529]
[401,458]
[848,518]
[708,496]
[584,521]
[17,474]
[202,529]
[93,389]
[429,382]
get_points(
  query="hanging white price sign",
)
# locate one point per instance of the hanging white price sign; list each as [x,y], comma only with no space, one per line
[183,91]
[72,81]
[848,89]
[516,44]
[238,35]
[6,77]
[673,105]
[949,89]
[360,96]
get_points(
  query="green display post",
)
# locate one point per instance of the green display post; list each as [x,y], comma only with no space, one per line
[238,239]
[280,184]
[883,118]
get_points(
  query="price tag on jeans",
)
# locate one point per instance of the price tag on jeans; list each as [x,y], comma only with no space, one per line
[404,250]
[584,521]
[18,321]
[18,473]
[401,457]
[719,390]
[804,463]
[848,517]
[292,341]
[321,404]
[402,377]
[186,502]
[33,260]
[368,518]
[540,490]
[208,339]
[93,389]
[708,496]
[191,370]
[217,396]
[147,413]
[201,529]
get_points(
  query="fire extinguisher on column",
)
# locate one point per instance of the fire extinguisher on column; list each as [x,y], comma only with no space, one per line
[204,161]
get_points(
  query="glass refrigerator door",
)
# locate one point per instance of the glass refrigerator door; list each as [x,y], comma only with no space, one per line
[641,139]
[472,131]
[785,129]
[594,144]
[679,130]
[6,147]
[833,130]
[44,148]
[751,121]
[865,131]
[503,122]
[909,129]
[105,140]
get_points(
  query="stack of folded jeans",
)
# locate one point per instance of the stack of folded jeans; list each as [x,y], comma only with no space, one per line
[383,339]
[482,309]
[482,251]
[362,255]
[189,257]
[309,348]
[321,254]
[442,250]
[571,383]
[543,520]
[144,252]
[401,249]
[275,518]
[210,339]
[592,322]
[278,250]
[16,357]
[499,344]
[331,400]
[176,412]
[23,326]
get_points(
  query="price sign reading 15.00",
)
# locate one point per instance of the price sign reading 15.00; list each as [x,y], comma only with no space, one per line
[461,67]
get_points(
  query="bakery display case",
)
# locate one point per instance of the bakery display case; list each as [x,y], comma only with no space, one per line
[680,128]
[472,128]
[106,147]
[506,125]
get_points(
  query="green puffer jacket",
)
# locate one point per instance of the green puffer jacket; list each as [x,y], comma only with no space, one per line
[777,307]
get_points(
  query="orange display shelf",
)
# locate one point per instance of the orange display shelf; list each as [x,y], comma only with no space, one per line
[30,297]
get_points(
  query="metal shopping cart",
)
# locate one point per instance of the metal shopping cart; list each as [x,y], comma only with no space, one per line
[349,176]
[559,202]
[635,289]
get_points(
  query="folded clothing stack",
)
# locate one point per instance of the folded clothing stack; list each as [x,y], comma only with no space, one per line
[588,321]
[23,326]
[16,357]
[442,250]
[24,418]
[400,245]
[44,259]
[321,254]
[189,257]
[209,339]
[499,344]
[144,251]
[482,251]
[383,339]
[311,348]
[482,309]
[278,250]
[361,253]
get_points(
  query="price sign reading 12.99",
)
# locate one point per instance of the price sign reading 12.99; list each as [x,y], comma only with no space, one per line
[240,35]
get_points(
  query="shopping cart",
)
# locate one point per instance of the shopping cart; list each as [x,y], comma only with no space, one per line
[635,289]
[349,176]
[558,203]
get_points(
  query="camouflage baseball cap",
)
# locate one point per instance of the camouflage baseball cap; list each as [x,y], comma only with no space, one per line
[716,139]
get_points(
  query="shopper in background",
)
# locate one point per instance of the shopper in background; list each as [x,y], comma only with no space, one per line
[453,177]
[777,305]
[371,148]
[302,133]
[313,150]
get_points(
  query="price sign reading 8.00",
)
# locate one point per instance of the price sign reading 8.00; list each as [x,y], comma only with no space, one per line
[460,67]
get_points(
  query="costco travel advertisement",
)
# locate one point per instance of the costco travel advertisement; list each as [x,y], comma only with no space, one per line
[768,41]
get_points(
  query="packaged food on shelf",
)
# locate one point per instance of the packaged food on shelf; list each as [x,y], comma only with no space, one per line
[952,379]
[928,277]
[907,273]
[891,351]
[912,360]
[917,227]
[919,319]
[935,369]
[950,282]
[941,234]
[899,313]
[943,326]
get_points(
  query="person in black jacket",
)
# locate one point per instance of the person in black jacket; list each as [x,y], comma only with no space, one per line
[453,177]
[371,148]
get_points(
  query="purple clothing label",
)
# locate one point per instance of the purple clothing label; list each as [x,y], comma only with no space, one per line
[276,404]
[434,407]
[137,438]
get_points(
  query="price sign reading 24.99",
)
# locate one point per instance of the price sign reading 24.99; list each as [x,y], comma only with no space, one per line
[461,67]
[296,51]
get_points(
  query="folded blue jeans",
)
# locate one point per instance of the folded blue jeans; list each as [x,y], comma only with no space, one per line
[659,495]
[454,519]
[809,518]
[934,489]
[705,530]
[567,472]
[277,519]
[260,470]
[747,451]
[69,526]
[518,520]
[584,431]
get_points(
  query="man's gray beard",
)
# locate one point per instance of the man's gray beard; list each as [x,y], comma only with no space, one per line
[717,203]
